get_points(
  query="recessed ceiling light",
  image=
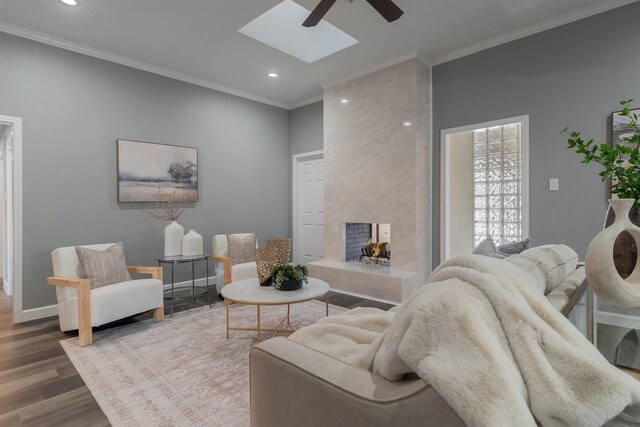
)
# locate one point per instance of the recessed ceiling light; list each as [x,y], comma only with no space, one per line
[70,2]
[344,100]
[273,75]
[407,124]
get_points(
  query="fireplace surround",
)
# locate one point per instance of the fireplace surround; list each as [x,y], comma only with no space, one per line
[370,133]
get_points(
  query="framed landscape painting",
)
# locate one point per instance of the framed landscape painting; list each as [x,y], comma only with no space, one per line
[621,127]
[147,170]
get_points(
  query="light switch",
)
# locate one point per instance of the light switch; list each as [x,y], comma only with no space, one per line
[554,184]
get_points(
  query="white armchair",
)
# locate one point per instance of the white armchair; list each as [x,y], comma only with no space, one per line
[226,272]
[80,307]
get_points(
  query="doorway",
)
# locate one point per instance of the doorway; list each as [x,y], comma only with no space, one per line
[485,185]
[11,212]
[308,207]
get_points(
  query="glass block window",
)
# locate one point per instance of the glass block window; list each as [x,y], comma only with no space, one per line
[497,167]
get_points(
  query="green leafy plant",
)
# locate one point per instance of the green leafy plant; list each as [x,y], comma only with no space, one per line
[283,273]
[621,161]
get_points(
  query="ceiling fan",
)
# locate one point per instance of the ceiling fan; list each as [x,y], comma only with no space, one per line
[386,8]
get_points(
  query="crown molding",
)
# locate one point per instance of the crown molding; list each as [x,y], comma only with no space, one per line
[415,55]
[15,30]
[532,29]
[306,101]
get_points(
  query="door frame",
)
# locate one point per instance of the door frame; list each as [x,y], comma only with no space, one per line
[445,202]
[297,160]
[16,230]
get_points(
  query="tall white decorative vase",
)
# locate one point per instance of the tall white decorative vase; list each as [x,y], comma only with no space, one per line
[602,274]
[173,234]
[192,244]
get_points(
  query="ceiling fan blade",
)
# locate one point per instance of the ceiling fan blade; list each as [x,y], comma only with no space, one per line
[387,9]
[318,13]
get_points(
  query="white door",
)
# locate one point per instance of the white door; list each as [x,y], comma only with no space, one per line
[309,239]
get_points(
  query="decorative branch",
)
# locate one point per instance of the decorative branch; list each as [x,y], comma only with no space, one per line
[170,207]
[621,162]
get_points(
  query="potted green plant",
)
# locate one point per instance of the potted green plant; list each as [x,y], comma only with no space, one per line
[621,161]
[621,165]
[289,277]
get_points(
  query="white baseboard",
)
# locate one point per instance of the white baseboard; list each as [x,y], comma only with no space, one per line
[52,310]
[39,313]
[187,283]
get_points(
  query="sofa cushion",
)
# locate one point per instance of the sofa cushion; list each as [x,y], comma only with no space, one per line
[103,267]
[242,249]
[561,295]
[556,262]
[533,268]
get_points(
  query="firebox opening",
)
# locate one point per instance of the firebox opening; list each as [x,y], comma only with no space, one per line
[368,243]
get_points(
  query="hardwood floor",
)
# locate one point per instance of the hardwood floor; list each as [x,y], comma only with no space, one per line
[39,385]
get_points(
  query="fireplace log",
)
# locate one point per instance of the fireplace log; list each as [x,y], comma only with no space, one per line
[377,250]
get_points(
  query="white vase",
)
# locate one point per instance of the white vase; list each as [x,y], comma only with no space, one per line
[192,244]
[602,275]
[173,234]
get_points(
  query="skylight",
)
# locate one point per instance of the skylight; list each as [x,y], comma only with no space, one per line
[281,28]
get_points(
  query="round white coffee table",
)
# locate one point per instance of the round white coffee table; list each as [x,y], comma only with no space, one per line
[249,291]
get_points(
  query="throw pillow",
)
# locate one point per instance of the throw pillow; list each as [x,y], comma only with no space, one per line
[242,249]
[488,248]
[515,247]
[103,267]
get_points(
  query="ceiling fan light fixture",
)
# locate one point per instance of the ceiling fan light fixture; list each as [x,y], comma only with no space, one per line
[387,8]
[70,2]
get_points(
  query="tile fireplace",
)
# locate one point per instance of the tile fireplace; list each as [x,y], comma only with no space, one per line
[369,133]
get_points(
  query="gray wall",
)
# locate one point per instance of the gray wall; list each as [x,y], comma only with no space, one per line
[74,108]
[306,134]
[573,75]
[306,131]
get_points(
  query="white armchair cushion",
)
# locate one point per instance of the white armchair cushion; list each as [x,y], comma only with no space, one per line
[113,302]
[238,272]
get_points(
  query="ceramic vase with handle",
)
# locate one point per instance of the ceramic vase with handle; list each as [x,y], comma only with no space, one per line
[192,244]
[173,234]
[625,250]
[602,275]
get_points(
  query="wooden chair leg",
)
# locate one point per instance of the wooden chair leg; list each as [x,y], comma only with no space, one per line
[84,315]
[158,314]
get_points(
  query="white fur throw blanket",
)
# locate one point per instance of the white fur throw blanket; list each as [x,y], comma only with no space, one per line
[352,337]
[499,353]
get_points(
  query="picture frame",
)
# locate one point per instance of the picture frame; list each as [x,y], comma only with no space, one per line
[148,170]
[619,127]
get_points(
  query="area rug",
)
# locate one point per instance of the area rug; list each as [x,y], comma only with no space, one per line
[181,371]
